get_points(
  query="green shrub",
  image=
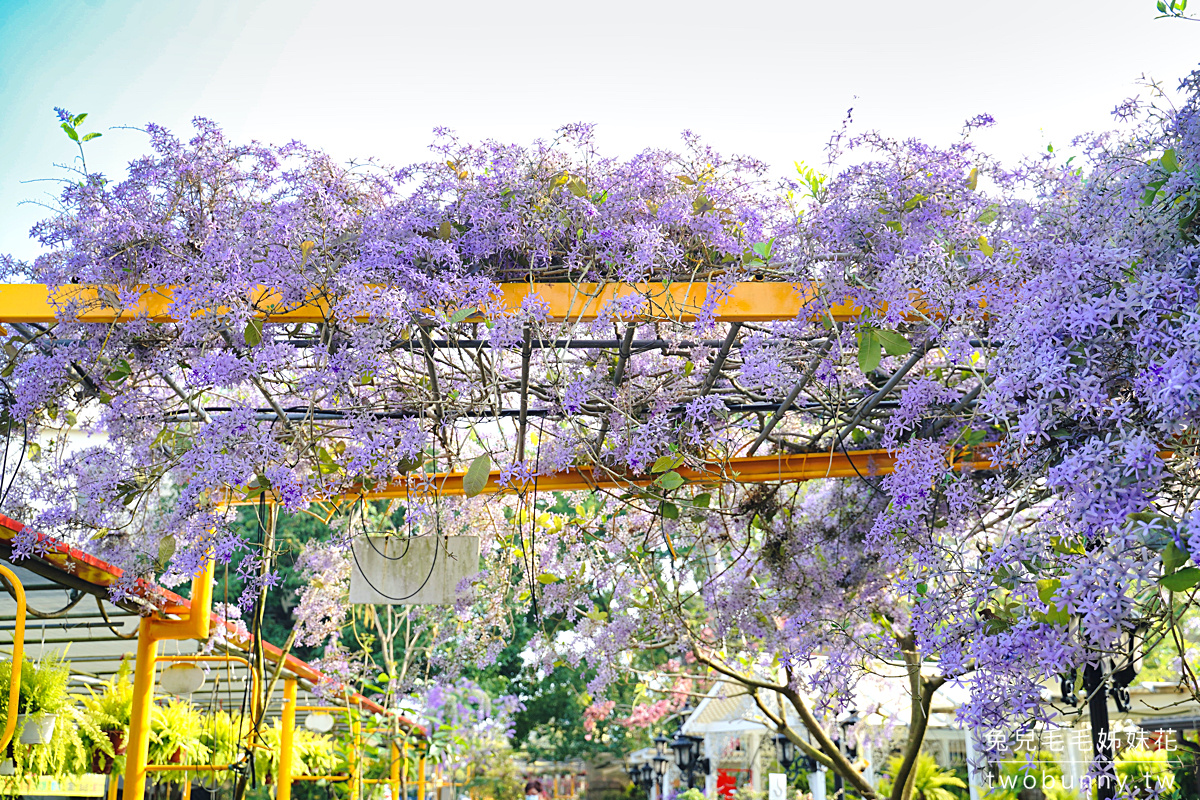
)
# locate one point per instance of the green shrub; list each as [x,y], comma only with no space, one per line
[930,782]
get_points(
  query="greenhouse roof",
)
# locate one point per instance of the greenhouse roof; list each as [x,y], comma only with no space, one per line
[69,610]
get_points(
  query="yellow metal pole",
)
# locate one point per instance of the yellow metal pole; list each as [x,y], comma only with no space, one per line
[18,657]
[287,733]
[150,631]
[186,792]
[113,781]
[355,765]
[394,775]
[139,715]
[421,778]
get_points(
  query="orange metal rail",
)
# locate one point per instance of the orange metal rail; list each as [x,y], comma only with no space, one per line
[751,301]
[742,469]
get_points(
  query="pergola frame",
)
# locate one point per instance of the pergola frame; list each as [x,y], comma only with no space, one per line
[31,310]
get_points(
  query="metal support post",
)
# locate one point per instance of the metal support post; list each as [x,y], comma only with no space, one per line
[394,773]
[355,760]
[150,632]
[287,733]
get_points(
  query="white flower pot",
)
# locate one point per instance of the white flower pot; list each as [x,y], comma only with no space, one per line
[38,727]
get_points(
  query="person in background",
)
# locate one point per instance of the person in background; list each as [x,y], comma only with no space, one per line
[533,789]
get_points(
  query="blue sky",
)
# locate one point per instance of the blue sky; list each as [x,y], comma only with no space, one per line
[770,79]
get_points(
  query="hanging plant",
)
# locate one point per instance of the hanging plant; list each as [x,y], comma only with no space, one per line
[109,711]
[175,737]
[42,696]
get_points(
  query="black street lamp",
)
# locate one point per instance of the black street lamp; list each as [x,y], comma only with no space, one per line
[1122,669]
[785,750]
[850,720]
[660,770]
[687,751]
[661,742]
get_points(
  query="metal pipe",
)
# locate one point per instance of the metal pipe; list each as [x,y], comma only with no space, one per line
[138,750]
[18,657]
[150,632]
[355,761]
[287,730]
[393,774]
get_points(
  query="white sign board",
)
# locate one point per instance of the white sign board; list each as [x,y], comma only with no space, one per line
[776,786]
[416,570]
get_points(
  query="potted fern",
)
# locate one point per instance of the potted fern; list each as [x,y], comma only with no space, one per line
[224,734]
[175,736]
[109,712]
[43,695]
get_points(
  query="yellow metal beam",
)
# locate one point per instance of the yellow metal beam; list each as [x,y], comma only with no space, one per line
[287,731]
[742,469]
[750,301]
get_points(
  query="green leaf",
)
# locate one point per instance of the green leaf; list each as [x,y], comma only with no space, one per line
[253,333]
[1173,558]
[670,510]
[1060,545]
[475,481]
[893,342]
[922,588]
[1170,161]
[973,178]
[87,137]
[1162,7]
[462,314]
[1182,580]
[577,187]
[893,225]
[409,464]
[763,249]
[664,463]
[869,353]
[119,373]
[445,230]
[78,119]
[546,578]
[984,247]
[988,215]
[702,500]
[702,205]
[166,549]
[671,480]
[71,134]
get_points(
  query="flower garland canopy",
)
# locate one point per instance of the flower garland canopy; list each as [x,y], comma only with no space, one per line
[1048,311]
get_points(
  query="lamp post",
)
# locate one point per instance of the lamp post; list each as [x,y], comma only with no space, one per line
[839,784]
[645,778]
[687,751]
[1098,687]
[661,743]
[660,772]
[789,755]
[785,752]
